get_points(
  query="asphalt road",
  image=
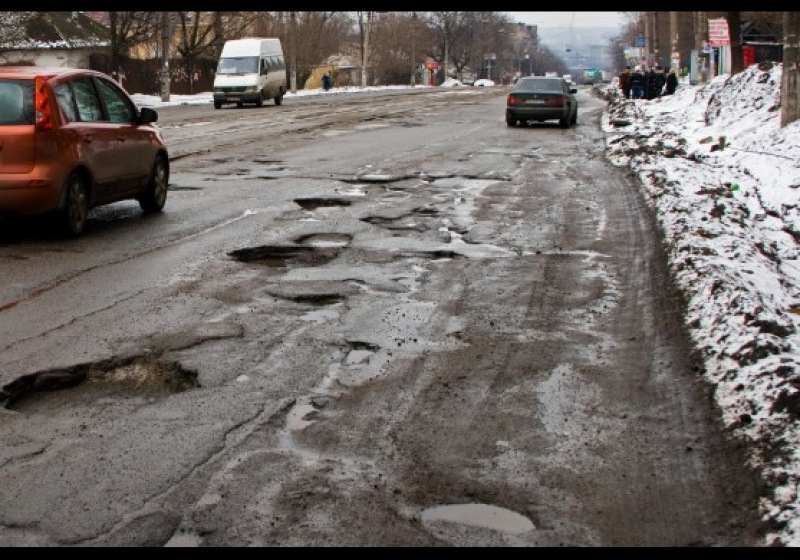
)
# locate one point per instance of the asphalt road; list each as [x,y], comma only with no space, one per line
[362,320]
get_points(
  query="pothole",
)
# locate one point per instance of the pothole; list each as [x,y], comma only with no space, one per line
[282,256]
[141,377]
[314,203]
[315,292]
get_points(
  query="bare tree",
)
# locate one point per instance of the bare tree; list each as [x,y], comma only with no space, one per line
[196,36]
[128,30]
[310,39]
[393,47]
[446,26]
[790,105]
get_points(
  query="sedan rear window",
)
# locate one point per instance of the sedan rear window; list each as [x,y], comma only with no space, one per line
[16,102]
[544,86]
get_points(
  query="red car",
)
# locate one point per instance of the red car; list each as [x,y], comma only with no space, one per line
[72,139]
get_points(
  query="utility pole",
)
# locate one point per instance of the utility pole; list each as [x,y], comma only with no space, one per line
[293,54]
[413,50]
[675,56]
[700,33]
[166,40]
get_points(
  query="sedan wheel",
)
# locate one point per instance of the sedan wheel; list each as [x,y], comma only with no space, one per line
[76,209]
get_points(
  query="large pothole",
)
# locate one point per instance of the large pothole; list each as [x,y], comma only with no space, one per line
[121,378]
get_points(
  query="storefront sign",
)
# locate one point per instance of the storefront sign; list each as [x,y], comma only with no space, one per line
[718,32]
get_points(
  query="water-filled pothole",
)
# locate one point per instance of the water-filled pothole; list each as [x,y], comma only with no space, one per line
[479,515]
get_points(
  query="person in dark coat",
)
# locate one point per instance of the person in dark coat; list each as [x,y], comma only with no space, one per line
[636,83]
[327,82]
[671,82]
[649,83]
[625,82]
[654,85]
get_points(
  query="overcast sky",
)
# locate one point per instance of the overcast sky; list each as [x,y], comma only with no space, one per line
[563,19]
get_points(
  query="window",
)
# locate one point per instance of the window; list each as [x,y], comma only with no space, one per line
[117,105]
[16,102]
[89,108]
[66,101]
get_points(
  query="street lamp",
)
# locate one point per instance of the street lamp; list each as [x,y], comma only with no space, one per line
[528,60]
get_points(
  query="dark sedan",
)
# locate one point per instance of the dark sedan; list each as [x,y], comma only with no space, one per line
[542,98]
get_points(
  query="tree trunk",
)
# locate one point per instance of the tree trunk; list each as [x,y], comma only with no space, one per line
[789,93]
[113,25]
[735,33]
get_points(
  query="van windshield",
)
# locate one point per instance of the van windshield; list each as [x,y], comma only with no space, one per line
[238,65]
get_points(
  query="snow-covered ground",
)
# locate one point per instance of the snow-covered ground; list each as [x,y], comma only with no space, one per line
[724,181]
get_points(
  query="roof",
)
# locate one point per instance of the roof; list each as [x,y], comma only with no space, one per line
[35,71]
[50,30]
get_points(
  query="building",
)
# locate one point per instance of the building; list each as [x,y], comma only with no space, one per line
[50,39]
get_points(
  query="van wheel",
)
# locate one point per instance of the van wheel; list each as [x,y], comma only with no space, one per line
[76,208]
[155,195]
[217,105]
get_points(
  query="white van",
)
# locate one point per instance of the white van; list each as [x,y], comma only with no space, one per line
[250,70]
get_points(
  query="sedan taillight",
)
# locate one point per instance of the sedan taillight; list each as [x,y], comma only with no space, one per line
[555,102]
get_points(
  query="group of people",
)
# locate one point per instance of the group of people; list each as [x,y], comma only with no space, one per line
[647,84]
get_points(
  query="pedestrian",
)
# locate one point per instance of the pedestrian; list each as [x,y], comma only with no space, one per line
[326,82]
[636,82]
[624,79]
[654,85]
[661,80]
[671,82]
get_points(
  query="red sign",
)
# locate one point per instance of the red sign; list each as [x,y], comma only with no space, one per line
[749,54]
[718,34]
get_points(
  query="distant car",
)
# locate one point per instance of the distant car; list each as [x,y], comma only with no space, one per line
[542,98]
[452,82]
[484,82]
[72,139]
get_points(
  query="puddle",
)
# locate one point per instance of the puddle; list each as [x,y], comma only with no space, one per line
[325,240]
[480,515]
[184,540]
